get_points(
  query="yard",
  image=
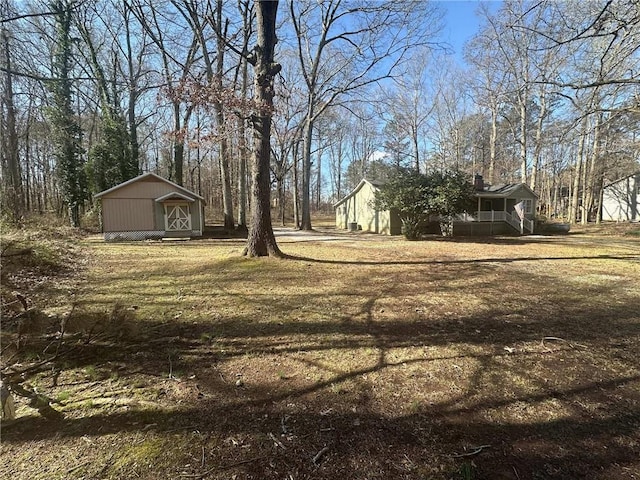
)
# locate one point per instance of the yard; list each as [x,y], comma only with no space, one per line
[361,356]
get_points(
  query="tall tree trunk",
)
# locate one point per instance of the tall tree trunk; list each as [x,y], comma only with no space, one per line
[281,201]
[575,196]
[242,175]
[28,163]
[242,148]
[600,198]
[537,151]
[295,190]
[261,240]
[416,147]
[319,179]
[306,170]
[590,182]
[523,140]
[13,192]
[131,105]
[178,146]
[225,171]
[493,142]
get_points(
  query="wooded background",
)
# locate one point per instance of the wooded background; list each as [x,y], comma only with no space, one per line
[96,92]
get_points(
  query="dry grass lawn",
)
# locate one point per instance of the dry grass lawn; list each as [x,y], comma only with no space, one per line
[360,357]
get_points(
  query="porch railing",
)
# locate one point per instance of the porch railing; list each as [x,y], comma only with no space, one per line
[492,216]
[514,220]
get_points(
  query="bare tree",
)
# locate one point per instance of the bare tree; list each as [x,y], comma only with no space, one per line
[175,71]
[287,129]
[514,47]
[489,88]
[214,71]
[600,79]
[409,105]
[451,108]
[362,143]
[367,41]
[242,77]
[114,158]
[614,24]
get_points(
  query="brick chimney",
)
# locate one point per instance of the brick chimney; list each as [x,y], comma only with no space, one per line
[478,182]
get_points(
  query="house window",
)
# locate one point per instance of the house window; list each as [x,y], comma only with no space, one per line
[528,205]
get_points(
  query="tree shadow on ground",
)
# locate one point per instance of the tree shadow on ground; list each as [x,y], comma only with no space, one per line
[394,445]
[625,257]
[426,387]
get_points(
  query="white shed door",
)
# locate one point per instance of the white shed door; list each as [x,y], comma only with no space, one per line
[177,217]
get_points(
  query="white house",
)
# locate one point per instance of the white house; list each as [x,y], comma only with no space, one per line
[621,199]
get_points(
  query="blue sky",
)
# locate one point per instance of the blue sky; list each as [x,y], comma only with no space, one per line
[461,22]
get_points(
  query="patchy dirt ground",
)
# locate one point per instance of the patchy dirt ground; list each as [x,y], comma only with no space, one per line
[361,357]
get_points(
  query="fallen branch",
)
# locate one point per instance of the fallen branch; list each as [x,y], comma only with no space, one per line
[558,339]
[515,471]
[276,441]
[40,402]
[77,467]
[179,429]
[476,450]
[17,253]
[319,455]
[9,374]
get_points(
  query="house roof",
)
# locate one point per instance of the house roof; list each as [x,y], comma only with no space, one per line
[149,176]
[506,190]
[374,183]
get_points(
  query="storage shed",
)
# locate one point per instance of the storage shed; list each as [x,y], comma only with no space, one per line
[148,207]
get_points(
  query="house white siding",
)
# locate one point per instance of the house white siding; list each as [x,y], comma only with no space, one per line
[621,200]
